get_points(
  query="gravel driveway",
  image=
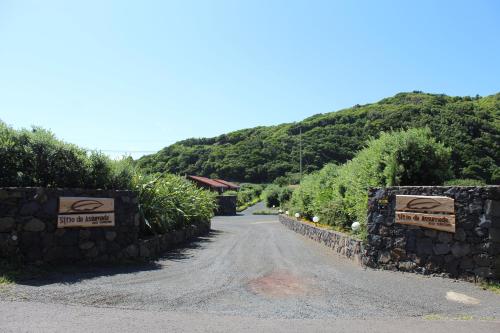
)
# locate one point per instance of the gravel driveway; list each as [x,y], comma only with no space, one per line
[250,273]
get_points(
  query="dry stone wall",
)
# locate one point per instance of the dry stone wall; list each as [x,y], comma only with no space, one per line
[473,251]
[340,243]
[29,233]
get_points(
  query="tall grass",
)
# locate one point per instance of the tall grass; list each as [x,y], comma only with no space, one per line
[171,202]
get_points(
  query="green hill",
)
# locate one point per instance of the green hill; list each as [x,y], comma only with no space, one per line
[470,126]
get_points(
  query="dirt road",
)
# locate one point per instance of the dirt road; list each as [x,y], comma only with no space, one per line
[249,274]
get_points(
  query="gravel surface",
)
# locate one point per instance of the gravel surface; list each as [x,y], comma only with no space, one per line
[252,268]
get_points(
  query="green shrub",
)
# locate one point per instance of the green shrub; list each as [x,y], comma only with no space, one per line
[170,202]
[248,195]
[122,173]
[230,193]
[275,195]
[284,195]
[288,179]
[37,158]
[271,195]
[339,194]
[313,194]
[11,156]
[495,177]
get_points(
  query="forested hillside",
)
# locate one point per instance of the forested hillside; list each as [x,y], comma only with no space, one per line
[470,126]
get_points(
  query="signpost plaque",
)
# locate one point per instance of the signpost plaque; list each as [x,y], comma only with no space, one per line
[433,212]
[86,212]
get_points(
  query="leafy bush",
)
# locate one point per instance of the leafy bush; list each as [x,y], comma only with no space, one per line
[284,195]
[288,179]
[170,202]
[38,158]
[248,195]
[339,194]
[495,176]
[275,195]
[230,193]
[313,194]
[271,195]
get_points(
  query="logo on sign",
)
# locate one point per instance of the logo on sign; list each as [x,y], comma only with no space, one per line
[86,212]
[86,205]
[433,212]
[423,204]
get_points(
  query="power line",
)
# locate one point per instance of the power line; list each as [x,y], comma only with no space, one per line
[121,150]
[127,151]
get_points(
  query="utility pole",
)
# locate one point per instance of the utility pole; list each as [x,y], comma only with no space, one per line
[300,152]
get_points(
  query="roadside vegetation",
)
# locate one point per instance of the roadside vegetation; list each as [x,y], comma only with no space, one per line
[248,195]
[338,194]
[266,212]
[429,139]
[37,158]
[169,202]
[288,179]
[493,286]
[12,271]
[275,195]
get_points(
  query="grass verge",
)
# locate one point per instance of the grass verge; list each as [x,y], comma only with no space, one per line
[493,286]
[266,212]
[248,204]
[13,272]
[9,272]
[4,280]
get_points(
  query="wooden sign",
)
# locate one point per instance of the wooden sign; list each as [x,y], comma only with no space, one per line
[433,212]
[86,212]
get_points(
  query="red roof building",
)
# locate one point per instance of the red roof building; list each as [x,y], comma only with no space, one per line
[226,203]
[209,183]
[232,186]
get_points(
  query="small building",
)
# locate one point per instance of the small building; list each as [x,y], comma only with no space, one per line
[226,203]
[212,184]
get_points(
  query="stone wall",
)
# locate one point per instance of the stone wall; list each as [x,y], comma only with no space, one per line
[29,233]
[156,245]
[341,243]
[226,205]
[472,251]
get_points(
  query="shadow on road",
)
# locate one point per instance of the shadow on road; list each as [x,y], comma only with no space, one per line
[70,274]
[184,251]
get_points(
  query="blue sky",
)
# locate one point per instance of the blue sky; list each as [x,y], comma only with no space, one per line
[139,75]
